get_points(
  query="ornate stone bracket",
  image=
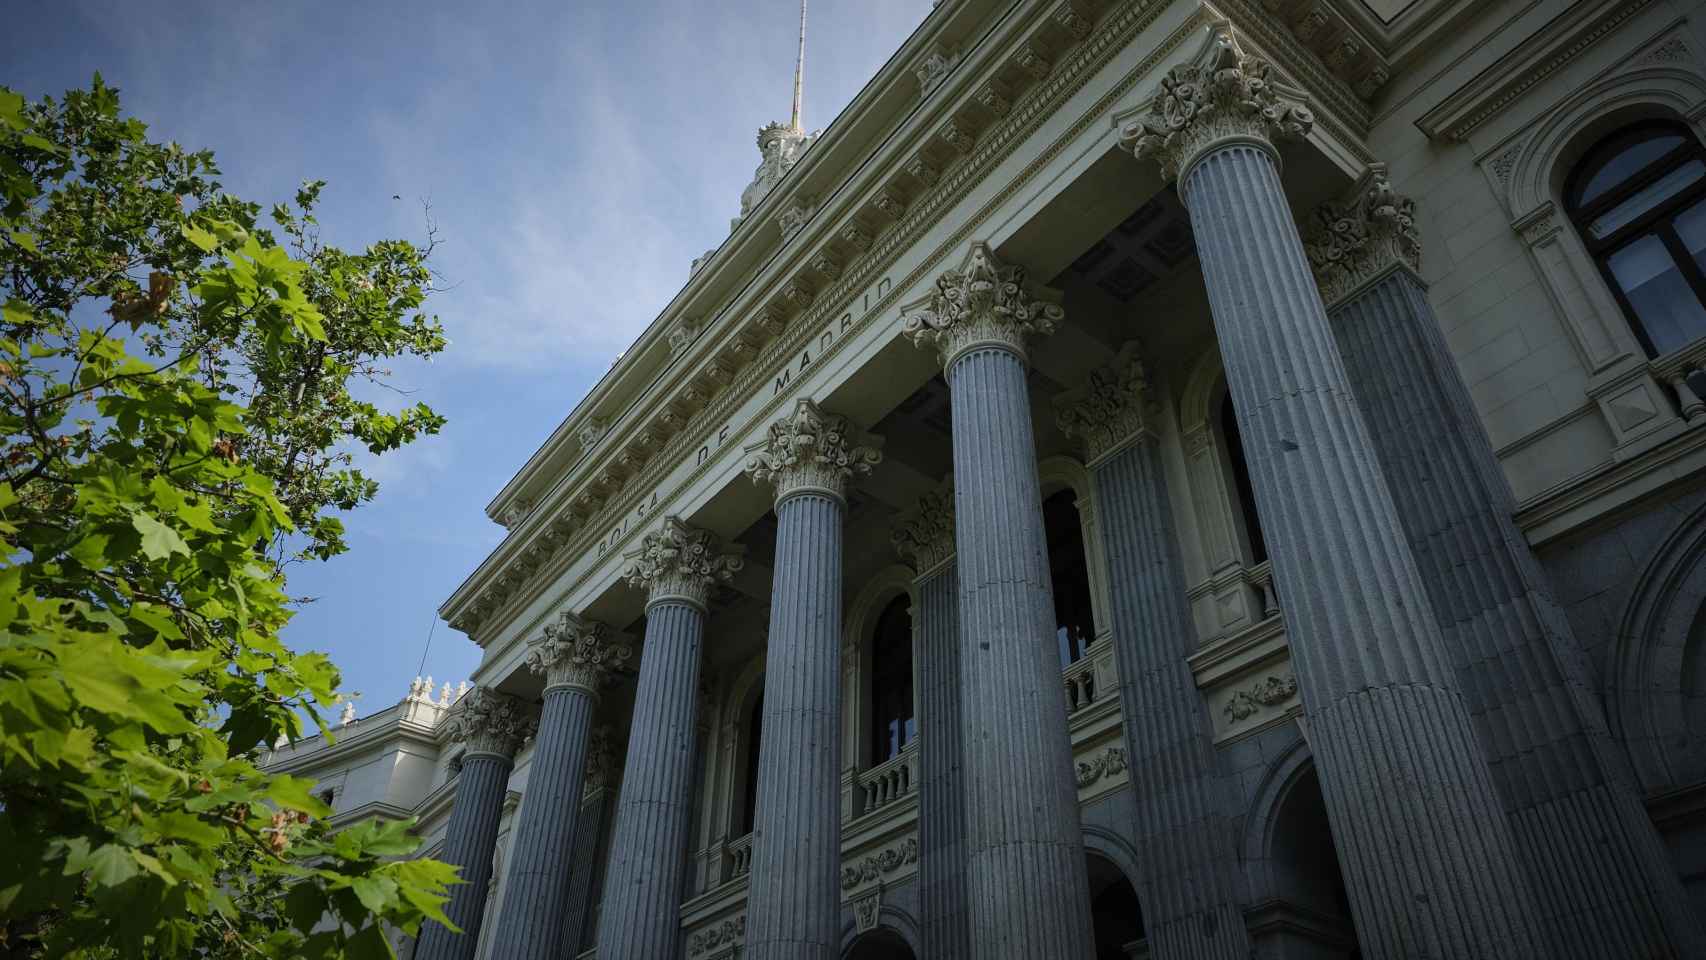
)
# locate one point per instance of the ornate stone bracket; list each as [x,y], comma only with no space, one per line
[982,304]
[1222,97]
[1110,408]
[490,723]
[681,563]
[1358,240]
[810,451]
[925,534]
[576,653]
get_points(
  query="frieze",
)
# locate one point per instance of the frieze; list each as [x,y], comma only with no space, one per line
[1110,762]
[728,933]
[877,865]
[1031,107]
[1268,692]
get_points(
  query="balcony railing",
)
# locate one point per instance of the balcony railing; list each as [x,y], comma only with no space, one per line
[1081,687]
[890,780]
[739,856]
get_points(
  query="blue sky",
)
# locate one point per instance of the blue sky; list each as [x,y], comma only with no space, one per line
[577,156]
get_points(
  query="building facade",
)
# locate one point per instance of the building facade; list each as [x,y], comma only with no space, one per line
[1150,479]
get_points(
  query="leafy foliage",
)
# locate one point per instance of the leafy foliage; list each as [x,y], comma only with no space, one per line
[176,416]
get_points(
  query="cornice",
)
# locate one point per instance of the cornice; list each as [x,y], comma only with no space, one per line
[1530,61]
[507,571]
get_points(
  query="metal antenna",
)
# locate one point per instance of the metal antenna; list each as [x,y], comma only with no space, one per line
[800,70]
[428,644]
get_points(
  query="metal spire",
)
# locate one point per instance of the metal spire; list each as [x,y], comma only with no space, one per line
[800,70]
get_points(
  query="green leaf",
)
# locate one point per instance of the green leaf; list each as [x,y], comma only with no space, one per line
[203,240]
[108,865]
[295,793]
[158,540]
[157,619]
[376,893]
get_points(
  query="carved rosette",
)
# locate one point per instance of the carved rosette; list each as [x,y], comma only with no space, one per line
[984,303]
[681,563]
[490,723]
[1223,97]
[1109,409]
[1359,240]
[576,653]
[925,533]
[810,451]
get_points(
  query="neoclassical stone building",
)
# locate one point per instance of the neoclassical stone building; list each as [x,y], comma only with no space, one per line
[1150,479]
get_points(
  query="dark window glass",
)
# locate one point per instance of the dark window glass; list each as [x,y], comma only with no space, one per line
[892,723]
[1638,200]
[1075,628]
[754,734]
[1241,481]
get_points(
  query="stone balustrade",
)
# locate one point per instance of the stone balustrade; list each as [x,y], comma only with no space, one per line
[738,857]
[890,780]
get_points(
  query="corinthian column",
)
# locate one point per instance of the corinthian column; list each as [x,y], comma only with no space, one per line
[925,538]
[1186,841]
[1571,799]
[493,726]
[1024,845]
[1427,853]
[794,909]
[576,656]
[677,566]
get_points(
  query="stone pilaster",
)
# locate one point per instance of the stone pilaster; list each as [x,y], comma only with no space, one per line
[1187,852]
[794,908]
[1428,856]
[591,841]
[576,657]
[925,538]
[677,566]
[493,726]
[1024,844]
[1571,801]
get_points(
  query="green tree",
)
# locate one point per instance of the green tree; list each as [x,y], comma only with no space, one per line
[176,421]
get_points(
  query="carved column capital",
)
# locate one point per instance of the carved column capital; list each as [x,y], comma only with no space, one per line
[1223,96]
[681,563]
[577,653]
[810,451]
[983,303]
[1359,239]
[924,534]
[603,765]
[1109,408]
[491,723]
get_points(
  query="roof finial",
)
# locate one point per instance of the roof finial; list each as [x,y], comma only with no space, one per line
[800,70]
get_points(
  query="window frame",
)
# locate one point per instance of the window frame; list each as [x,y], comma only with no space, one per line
[1659,221]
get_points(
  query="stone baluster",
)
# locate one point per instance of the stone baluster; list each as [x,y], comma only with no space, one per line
[925,538]
[1188,858]
[576,657]
[794,909]
[1024,844]
[493,726]
[677,566]
[1429,860]
[1571,800]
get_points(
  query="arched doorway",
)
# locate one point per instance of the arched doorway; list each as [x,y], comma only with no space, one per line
[880,944]
[1309,887]
[1115,915]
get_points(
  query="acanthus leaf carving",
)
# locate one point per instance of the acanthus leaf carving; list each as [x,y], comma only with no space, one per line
[578,653]
[1360,239]
[680,562]
[984,302]
[490,722]
[810,450]
[1109,407]
[925,533]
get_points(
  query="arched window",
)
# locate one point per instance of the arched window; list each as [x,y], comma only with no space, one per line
[1069,574]
[892,722]
[1638,200]
[1257,548]
[754,735]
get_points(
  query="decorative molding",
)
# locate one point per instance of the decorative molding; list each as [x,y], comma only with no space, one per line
[682,335]
[810,451]
[579,654]
[679,562]
[516,512]
[490,723]
[934,68]
[958,134]
[1358,240]
[876,865]
[1539,56]
[1222,96]
[921,168]
[1270,691]
[592,429]
[856,235]
[1108,763]
[1108,409]
[994,98]
[795,215]
[718,939]
[984,303]
[867,909]
[925,533]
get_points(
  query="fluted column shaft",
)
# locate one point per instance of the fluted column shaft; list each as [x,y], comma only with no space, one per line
[945,913]
[535,906]
[794,910]
[1186,841]
[1427,854]
[1024,845]
[1604,882]
[641,919]
[586,870]
[469,841]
